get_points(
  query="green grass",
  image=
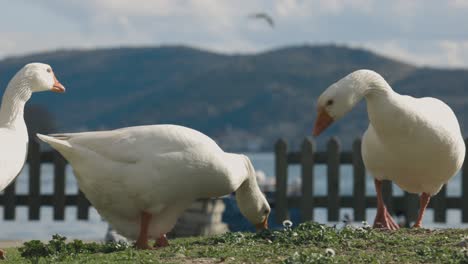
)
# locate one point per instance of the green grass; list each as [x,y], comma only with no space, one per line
[307,243]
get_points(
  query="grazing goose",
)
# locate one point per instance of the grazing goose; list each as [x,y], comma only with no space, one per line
[33,77]
[141,179]
[414,142]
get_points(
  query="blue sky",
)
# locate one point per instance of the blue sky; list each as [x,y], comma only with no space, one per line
[421,32]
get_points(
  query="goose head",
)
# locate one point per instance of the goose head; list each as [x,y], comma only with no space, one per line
[340,97]
[33,77]
[40,77]
[256,210]
[251,201]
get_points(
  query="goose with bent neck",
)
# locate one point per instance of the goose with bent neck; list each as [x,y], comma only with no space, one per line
[141,179]
[33,77]
[414,142]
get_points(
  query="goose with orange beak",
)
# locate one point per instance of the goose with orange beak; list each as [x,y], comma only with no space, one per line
[414,142]
[141,179]
[33,77]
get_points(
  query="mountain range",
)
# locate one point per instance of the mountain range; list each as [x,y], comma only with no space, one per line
[244,101]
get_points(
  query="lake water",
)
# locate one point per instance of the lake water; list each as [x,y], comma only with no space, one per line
[95,228]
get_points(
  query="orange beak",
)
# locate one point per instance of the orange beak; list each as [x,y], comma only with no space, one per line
[58,87]
[323,121]
[263,225]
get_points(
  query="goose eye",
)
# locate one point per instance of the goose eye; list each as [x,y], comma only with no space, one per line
[266,211]
[49,70]
[329,102]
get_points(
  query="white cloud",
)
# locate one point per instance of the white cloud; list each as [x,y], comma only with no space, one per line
[396,50]
[456,53]
[423,32]
[459,3]
[438,53]
[289,8]
[340,6]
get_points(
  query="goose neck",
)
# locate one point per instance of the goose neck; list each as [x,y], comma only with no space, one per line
[249,186]
[14,99]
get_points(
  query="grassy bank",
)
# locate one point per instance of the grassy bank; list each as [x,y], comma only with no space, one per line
[307,243]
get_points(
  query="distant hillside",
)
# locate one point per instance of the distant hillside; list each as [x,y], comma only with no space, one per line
[240,100]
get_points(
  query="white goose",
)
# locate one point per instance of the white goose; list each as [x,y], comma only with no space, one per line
[142,178]
[414,142]
[31,78]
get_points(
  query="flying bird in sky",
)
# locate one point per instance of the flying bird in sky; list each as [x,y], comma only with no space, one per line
[263,16]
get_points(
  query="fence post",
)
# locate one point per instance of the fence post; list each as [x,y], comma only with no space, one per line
[333,170]
[59,187]
[387,195]
[307,167]
[412,206]
[281,167]
[464,198]
[34,196]
[10,201]
[440,205]
[359,189]
[83,206]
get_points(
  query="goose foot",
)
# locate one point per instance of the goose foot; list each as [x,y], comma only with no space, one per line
[139,244]
[162,241]
[383,220]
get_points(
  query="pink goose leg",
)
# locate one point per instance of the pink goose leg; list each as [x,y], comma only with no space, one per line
[423,202]
[142,241]
[383,219]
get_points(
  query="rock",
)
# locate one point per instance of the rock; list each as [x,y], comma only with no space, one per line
[203,218]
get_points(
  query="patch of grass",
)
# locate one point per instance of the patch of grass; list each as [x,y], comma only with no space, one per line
[307,243]
[58,250]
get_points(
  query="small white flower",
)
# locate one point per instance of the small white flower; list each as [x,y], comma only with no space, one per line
[287,223]
[365,225]
[294,234]
[330,252]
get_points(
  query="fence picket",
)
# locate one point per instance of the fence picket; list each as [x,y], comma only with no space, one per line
[83,206]
[387,195]
[59,187]
[10,201]
[307,162]
[281,167]
[333,171]
[412,207]
[440,205]
[34,198]
[359,189]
